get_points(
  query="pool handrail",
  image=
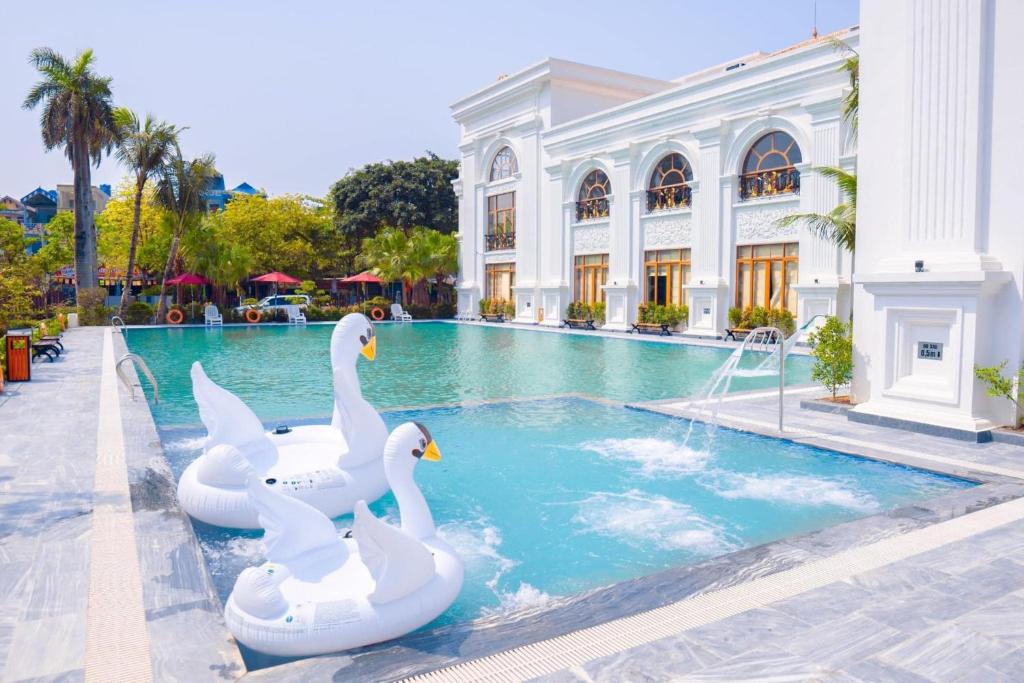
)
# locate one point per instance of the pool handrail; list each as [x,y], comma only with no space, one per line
[117,322]
[145,370]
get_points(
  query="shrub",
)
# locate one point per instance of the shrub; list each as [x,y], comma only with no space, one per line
[485,306]
[832,348]
[509,309]
[597,312]
[249,301]
[782,319]
[759,317]
[736,317]
[139,313]
[92,308]
[152,290]
[444,311]
[1003,387]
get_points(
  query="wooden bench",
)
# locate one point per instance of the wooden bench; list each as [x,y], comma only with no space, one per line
[492,317]
[578,324]
[730,333]
[652,328]
[53,339]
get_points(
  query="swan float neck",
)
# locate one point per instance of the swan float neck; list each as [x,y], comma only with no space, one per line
[409,443]
[359,424]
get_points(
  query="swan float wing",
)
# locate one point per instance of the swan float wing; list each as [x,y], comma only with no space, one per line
[293,528]
[226,417]
[398,563]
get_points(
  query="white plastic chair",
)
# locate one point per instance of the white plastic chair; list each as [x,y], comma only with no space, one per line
[398,313]
[212,315]
[295,315]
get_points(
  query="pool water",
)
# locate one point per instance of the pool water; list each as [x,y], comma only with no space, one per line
[541,497]
[284,372]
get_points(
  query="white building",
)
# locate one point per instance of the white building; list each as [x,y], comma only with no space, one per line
[940,246]
[580,183]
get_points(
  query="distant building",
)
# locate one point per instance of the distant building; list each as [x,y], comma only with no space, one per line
[25,216]
[45,204]
[217,196]
[66,197]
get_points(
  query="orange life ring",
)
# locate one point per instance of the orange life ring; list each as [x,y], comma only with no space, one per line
[253,315]
[174,316]
[377,313]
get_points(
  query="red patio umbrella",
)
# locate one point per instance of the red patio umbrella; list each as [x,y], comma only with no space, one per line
[188,279]
[277,278]
[363,277]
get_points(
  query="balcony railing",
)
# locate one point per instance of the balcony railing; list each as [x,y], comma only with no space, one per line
[588,209]
[769,183]
[500,240]
[672,197]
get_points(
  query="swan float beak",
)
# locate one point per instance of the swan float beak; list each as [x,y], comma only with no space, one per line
[432,452]
[369,349]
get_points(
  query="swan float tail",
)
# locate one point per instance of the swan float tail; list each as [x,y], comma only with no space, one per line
[228,420]
[293,528]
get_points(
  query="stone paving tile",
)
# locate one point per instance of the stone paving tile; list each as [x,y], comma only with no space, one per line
[985,583]
[986,674]
[916,611]
[873,671]
[46,647]
[1011,663]
[825,604]
[899,579]
[945,652]
[735,635]
[955,559]
[1002,619]
[845,641]
[759,664]
[74,676]
[666,658]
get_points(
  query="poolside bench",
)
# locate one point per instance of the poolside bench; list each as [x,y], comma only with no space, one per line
[492,317]
[578,324]
[47,350]
[731,333]
[53,339]
[652,328]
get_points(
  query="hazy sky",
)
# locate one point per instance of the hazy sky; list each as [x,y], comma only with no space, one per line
[291,95]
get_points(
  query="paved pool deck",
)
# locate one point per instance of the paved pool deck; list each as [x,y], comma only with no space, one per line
[101,577]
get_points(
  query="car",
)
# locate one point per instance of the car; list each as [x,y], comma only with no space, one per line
[276,301]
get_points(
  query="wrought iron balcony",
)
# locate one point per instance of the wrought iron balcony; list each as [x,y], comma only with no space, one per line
[672,197]
[769,183]
[589,209]
[500,240]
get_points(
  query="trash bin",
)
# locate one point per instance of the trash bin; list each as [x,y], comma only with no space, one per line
[19,355]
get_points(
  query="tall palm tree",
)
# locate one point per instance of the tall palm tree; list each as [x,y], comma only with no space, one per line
[143,148]
[443,254]
[387,254]
[179,190]
[77,115]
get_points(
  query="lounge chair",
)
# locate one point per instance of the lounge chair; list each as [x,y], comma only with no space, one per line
[398,313]
[296,316]
[212,315]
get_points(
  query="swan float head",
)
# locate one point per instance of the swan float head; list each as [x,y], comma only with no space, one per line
[353,335]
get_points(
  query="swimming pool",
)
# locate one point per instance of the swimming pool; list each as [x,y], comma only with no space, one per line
[541,497]
[284,372]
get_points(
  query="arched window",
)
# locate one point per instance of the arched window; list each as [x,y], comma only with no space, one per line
[769,167]
[669,188]
[505,164]
[593,198]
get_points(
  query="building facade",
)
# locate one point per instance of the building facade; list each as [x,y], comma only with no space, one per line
[583,184]
[66,197]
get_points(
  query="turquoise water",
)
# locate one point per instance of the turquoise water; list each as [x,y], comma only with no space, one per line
[284,372]
[547,497]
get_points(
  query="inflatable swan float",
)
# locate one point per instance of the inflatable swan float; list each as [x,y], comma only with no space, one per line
[319,592]
[327,466]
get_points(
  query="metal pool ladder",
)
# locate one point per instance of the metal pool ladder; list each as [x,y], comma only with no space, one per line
[770,340]
[145,370]
[118,324]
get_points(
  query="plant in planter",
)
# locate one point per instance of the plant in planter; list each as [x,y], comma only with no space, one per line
[832,348]
[782,319]
[509,309]
[736,317]
[597,312]
[1011,388]
[759,317]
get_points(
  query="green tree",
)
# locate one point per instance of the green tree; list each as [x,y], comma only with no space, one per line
[387,255]
[399,194]
[18,281]
[77,115]
[832,348]
[115,229]
[58,250]
[412,258]
[143,148]
[179,191]
[224,263]
[443,256]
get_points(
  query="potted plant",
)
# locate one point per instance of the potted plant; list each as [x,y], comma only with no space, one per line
[832,348]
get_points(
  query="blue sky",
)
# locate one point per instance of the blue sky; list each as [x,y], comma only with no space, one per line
[289,96]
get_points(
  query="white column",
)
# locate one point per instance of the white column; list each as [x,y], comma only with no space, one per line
[935,82]
[620,242]
[470,280]
[528,228]
[708,286]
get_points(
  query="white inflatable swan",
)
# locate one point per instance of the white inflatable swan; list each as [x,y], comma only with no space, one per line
[321,593]
[327,466]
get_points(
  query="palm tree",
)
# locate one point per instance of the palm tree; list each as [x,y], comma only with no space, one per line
[179,190]
[78,115]
[443,253]
[386,254]
[144,148]
[839,225]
